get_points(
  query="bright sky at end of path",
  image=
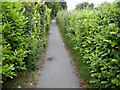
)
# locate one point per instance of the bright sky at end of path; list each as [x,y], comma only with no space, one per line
[72,3]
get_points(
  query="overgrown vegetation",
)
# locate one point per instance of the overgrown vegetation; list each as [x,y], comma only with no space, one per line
[0,43]
[24,29]
[84,5]
[95,36]
[56,7]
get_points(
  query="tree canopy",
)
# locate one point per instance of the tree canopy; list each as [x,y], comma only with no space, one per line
[63,5]
[56,7]
[84,5]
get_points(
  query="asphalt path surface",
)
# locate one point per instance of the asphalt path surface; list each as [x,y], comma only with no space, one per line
[58,69]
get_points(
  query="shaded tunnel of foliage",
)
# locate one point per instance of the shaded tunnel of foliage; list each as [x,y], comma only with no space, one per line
[24,29]
[56,7]
[95,36]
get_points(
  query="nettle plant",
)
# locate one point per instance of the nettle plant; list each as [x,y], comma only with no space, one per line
[95,35]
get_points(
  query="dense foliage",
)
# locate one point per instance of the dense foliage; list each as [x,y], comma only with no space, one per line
[84,5]
[0,42]
[56,7]
[63,5]
[95,35]
[24,28]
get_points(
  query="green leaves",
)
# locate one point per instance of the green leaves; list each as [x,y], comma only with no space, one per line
[13,39]
[36,30]
[94,34]
[24,27]
[8,71]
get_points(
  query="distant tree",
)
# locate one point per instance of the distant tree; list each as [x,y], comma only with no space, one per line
[91,5]
[83,5]
[56,7]
[63,5]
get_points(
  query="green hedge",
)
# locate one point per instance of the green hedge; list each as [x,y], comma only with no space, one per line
[95,35]
[0,57]
[24,28]
[36,29]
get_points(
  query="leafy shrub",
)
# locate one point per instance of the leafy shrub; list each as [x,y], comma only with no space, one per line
[0,45]
[14,41]
[36,30]
[95,35]
[24,31]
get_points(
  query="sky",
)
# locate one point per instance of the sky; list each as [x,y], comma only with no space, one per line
[72,3]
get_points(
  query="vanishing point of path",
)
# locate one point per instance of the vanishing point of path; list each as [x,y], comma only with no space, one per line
[58,70]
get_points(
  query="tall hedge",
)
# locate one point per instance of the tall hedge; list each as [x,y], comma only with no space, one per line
[95,36]
[0,54]
[36,29]
[24,28]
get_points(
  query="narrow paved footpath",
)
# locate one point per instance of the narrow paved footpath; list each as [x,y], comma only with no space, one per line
[58,70]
